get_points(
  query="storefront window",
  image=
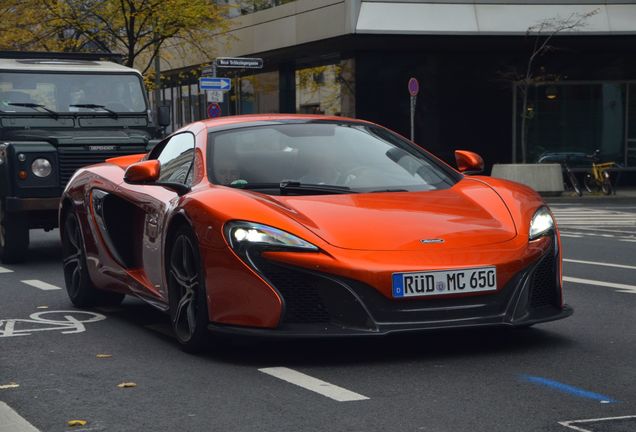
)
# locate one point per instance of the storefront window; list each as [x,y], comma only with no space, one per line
[630,151]
[579,117]
[328,89]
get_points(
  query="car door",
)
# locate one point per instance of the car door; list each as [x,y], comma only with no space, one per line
[176,157]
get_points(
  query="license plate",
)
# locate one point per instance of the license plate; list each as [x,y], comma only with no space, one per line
[444,282]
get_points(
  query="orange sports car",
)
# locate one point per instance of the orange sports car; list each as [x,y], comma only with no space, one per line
[295,225]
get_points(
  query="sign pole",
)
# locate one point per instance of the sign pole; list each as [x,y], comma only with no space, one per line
[412,118]
[414,88]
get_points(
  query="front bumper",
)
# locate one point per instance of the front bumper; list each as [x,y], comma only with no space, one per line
[323,305]
[16,205]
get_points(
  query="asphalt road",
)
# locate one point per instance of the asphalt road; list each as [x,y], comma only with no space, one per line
[548,378]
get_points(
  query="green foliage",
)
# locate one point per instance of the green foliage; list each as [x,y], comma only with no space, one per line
[135,28]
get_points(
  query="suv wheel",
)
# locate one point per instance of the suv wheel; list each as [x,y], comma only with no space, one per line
[14,237]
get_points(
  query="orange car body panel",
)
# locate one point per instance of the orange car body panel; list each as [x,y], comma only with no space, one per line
[367,237]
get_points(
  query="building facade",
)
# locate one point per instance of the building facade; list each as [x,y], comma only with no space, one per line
[485,83]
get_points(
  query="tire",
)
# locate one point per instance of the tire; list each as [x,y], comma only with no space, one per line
[14,237]
[589,183]
[574,183]
[606,186]
[79,287]
[186,292]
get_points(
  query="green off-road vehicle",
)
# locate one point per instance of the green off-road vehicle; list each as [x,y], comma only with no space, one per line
[60,112]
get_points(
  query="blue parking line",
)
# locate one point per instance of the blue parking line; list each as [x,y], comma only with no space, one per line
[565,388]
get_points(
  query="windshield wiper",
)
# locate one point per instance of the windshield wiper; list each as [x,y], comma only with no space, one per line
[293,186]
[389,190]
[95,106]
[54,114]
[296,186]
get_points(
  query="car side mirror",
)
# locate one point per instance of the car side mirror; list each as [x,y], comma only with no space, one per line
[147,172]
[143,172]
[163,116]
[469,162]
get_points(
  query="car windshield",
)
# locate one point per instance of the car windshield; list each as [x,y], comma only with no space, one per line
[71,92]
[351,156]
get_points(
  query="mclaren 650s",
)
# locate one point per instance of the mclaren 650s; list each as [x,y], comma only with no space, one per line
[308,226]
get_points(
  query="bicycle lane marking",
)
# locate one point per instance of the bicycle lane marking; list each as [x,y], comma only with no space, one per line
[70,324]
[568,389]
[11,421]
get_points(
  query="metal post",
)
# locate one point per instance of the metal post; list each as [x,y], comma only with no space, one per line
[237,92]
[157,93]
[514,123]
[413,118]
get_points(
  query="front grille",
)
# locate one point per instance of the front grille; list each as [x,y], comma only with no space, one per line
[73,158]
[544,289]
[300,291]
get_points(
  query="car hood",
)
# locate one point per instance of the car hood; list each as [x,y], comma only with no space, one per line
[468,214]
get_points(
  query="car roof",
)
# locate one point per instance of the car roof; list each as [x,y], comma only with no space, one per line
[62,65]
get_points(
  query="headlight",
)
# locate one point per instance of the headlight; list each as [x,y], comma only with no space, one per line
[242,234]
[541,224]
[41,167]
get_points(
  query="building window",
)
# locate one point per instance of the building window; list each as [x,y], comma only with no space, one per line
[328,89]
[259,93]
[579,117]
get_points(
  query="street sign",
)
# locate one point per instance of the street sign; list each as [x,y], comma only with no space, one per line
[414,87]
[208,71]
[215,83]
[214,95]
[214,110]
[239,62]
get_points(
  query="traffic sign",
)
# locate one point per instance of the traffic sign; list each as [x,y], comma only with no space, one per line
[414,87]
[208,71]
[214,95]
[239,62]
[215,83]
[214,110]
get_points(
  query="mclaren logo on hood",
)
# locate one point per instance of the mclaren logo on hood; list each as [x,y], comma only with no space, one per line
[434,240]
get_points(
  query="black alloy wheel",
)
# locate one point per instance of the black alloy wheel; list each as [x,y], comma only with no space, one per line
[14,237]
[186,291]
[79,287]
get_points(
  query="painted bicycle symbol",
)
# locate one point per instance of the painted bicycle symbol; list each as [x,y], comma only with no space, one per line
[68,322]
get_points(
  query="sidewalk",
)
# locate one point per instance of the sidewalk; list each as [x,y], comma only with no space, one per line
[623,196]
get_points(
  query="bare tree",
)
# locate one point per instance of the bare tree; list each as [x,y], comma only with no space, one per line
[543,33]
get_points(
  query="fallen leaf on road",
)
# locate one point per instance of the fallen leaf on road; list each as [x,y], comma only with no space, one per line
[126,385]
[104,355]
[74,423]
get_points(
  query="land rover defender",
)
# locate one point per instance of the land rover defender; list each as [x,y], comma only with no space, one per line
[60,112]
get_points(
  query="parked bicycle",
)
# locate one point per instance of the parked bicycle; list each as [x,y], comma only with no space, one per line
[570,183]
[599,178]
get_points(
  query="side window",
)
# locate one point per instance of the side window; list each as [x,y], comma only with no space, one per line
[176,158]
